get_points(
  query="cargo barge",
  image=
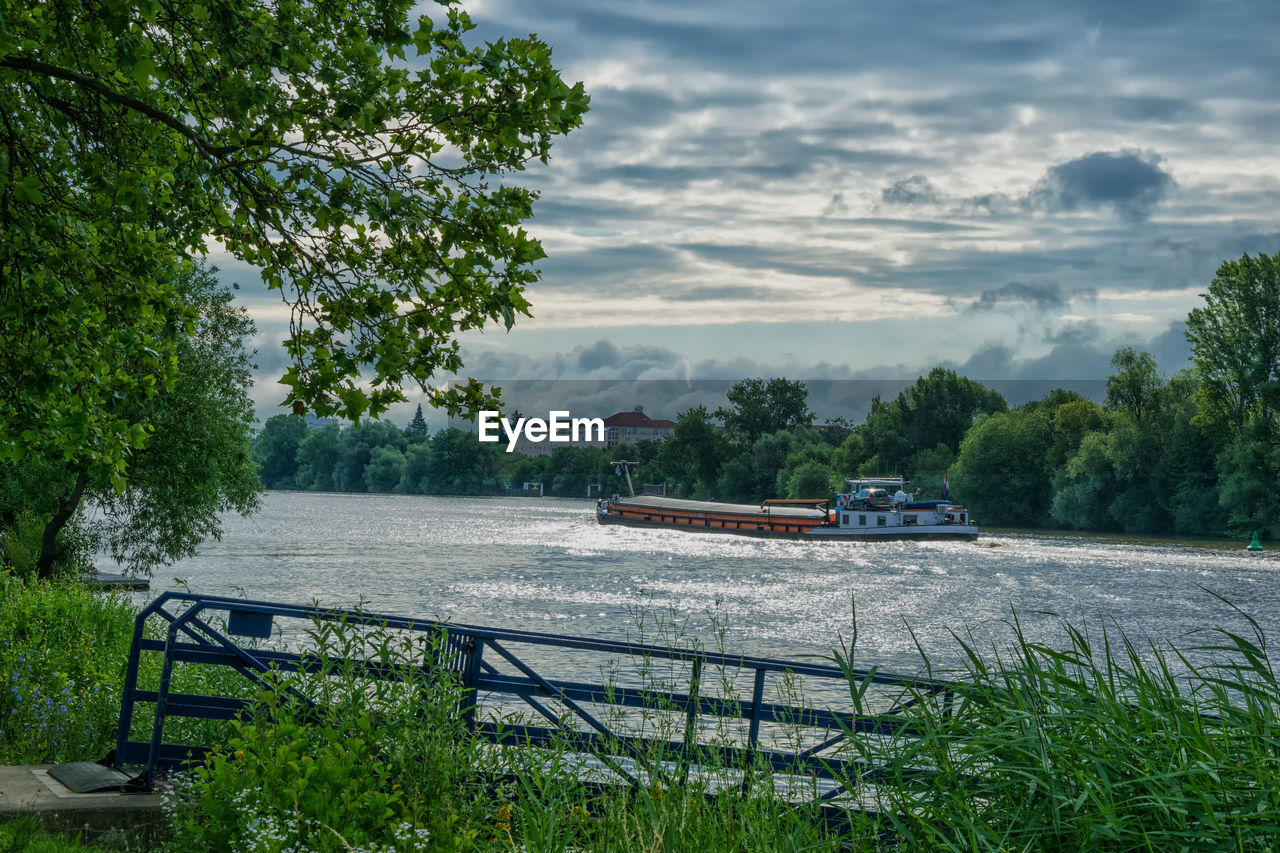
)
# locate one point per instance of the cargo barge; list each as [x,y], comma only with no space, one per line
[866,513]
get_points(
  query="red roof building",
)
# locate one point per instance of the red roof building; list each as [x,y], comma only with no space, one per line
[633,426]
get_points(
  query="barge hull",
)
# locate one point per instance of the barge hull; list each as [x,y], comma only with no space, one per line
[815,533]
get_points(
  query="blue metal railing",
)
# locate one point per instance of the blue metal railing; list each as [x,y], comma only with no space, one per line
[690,691]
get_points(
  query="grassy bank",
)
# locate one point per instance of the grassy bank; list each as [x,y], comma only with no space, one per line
[1102,744]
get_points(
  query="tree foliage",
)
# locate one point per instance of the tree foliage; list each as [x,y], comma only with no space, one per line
[938,408]
[1134,387]
[758,407]
[354,155]
[195,466]
[1235,343]
[417,427]
[198,463]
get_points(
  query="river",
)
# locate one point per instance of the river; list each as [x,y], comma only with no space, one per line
[544,564]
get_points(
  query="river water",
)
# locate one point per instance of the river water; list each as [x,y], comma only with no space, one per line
[545,565]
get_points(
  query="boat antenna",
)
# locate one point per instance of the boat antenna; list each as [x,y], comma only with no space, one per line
[625,468]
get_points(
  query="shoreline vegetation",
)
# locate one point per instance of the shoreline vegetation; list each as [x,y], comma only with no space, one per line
[1102,742]
[1148,460]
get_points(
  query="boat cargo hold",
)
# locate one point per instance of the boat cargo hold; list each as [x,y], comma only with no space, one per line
[866,513]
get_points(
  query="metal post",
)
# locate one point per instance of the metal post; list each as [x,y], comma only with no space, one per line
[130,689]
[162,700]
[753,731]
[691,715]
[471,681]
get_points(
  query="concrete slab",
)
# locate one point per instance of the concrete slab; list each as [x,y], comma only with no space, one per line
[113,818]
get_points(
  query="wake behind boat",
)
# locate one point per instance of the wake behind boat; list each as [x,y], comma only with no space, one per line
[865,513]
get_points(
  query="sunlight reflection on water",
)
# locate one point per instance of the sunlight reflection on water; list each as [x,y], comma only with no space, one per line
[544,564]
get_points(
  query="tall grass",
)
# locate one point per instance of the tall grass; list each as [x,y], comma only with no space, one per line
[63,650]
[1106,744]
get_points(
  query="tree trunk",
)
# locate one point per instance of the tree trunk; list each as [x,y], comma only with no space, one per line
[66,508]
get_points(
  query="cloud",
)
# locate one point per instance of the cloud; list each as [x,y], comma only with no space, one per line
[1131,182]
[1040,295]
[916,189]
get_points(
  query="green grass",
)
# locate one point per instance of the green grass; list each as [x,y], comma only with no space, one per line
[24,835]
[63,650]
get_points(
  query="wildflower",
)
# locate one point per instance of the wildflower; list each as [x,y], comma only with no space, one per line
[503,820]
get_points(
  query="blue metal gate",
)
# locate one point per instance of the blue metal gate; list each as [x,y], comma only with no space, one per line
[648,709]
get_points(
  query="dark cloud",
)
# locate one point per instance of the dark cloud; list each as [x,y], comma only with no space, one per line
[916,189]
[830,263]
[598,355]
[1084,334]
[1080,351]
[1131,182]
[1170,348]
[1040,295]
[606,263]
[736,292]
[1155,108]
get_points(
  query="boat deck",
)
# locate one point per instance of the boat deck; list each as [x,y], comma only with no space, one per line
[651,502]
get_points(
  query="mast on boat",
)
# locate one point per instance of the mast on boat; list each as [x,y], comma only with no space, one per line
[625,468]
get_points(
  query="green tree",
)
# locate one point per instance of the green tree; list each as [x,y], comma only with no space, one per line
[359,158]
[318,456]
[276,449]
[937,408]
[1248,470]
[736,481]
[999,472]
[1085,488]
[927,469]
[691,456]
[810,479]
[1188,471]
[357,449]
[769,456]
[758,407]
[1235,344]
[198,463]
[460,465]
[1135,386]
[417,468]
[570,469]
[196,466]
[518,469]
[385,469]
[808,448]
[417,428]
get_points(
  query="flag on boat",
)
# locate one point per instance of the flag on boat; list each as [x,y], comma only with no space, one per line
[946,488]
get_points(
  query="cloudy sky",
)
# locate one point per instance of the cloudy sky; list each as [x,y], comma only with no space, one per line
[854,190]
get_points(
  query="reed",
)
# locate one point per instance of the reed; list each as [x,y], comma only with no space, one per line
[1106,743]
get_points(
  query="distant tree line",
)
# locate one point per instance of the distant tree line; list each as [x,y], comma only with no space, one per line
[380,457]
[1195,453]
